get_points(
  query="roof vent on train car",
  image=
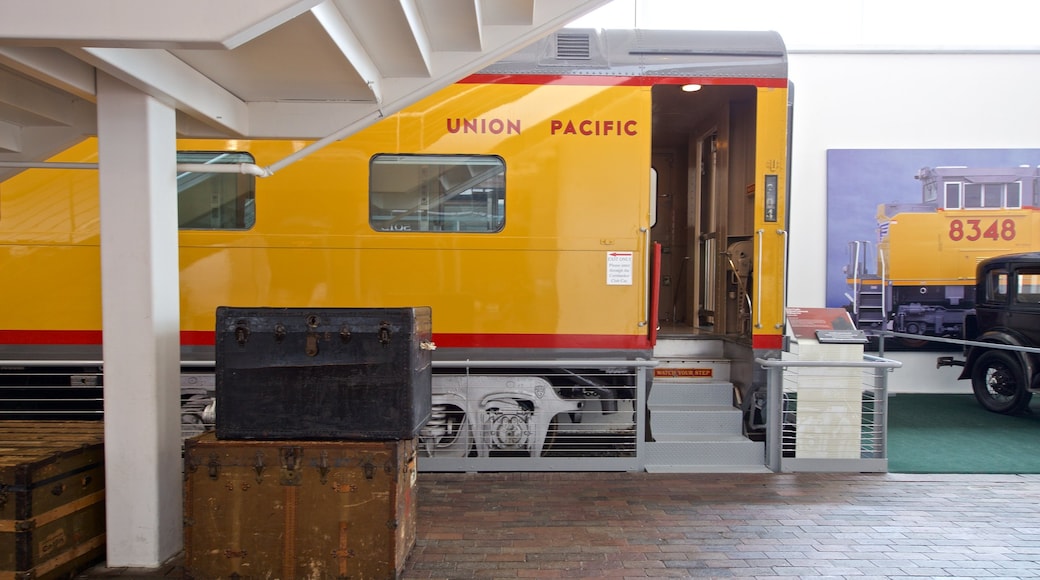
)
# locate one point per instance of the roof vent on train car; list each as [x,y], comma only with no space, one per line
[573,46]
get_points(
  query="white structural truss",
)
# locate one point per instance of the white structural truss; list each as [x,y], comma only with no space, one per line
[294,69]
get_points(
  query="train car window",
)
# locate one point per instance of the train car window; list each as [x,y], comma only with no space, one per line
[953,196]
[928,193]
[992,194]
[997,286]
[972,195]
[215,201]
[1028,287]
[437,193]
[1013,195]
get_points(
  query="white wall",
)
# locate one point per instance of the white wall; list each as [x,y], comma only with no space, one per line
[897,100]
[878,74]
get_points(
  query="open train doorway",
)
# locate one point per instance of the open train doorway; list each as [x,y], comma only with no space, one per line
[704,156]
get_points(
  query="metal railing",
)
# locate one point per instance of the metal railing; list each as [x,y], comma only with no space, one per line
[63,390]
[881,334]
[536,415]
[828,415]
[487,415]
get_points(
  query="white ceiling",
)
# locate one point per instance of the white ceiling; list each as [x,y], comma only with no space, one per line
[300,69]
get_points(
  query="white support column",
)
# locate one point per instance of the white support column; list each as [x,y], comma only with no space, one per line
[141,320]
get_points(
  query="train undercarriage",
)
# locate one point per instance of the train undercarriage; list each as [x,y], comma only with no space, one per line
[496,413]
[925,310]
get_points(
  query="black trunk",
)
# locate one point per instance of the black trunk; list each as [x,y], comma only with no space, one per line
[339,373]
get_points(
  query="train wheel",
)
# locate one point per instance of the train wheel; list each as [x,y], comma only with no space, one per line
[999,383]
[193,410]
[448,434]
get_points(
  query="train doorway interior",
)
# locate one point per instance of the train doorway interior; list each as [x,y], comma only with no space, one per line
[703,155]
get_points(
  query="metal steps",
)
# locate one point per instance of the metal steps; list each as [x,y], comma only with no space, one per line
[871,304]
[695,427]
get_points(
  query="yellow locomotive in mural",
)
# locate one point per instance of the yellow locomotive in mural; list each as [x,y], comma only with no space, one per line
[923,281]
[523,204]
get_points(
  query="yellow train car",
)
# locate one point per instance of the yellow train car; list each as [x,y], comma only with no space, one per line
[555,206]
[928,252]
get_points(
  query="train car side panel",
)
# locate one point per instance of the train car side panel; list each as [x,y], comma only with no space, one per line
[945,247]
[544,274]
[771,216]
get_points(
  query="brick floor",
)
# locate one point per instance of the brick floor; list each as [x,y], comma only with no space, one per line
[641,525]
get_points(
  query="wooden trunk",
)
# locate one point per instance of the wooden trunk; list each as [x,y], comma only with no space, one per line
[294,510]
[52,498]
[323,373]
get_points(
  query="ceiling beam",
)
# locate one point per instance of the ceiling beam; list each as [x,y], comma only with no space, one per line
[453,24]
[511,13]
[168,79]
[331,19]
[413,16]
[398,48]
[384,29]
[51,66]
[315,120]
[10,138]
[31,103]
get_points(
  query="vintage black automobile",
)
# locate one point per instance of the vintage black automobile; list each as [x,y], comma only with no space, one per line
[1007,312]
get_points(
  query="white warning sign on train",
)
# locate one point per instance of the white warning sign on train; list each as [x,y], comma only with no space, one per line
[619,268]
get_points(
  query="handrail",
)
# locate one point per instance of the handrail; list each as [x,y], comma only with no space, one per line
[783,258]
[873,362]
[857,248]
[958,341]
[741,286]
[544,363]
[759,235]
[774,394]
[758,279]
[883,270]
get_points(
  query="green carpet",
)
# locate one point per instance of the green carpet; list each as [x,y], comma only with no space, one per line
[953,434]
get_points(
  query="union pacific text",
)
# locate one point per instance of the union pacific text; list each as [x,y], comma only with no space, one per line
[483,126]
[594,127]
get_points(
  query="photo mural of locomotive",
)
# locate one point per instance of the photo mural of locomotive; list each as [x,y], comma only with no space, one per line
[523,204]
[915,271]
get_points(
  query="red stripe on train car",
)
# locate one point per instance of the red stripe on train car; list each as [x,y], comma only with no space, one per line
[207,338]
[767,341]
[50,337]
[616,81]
[198,338]
[597,341]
